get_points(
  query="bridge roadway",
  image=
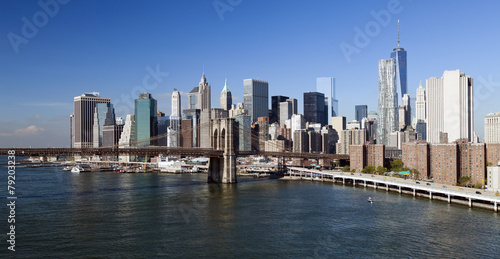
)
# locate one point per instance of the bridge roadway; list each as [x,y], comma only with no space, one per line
[449,193]
[154,151]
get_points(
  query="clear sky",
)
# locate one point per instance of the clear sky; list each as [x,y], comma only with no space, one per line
[121,48]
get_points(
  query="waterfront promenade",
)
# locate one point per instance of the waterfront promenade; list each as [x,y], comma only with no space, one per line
[451,194]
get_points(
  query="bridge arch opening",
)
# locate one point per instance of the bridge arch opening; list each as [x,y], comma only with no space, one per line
[215,139]
[223,139]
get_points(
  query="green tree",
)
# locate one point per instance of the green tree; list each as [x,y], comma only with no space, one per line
[464,180]
[488,163]
[346,168]
[335,164]
[396,165]
[369,169]
[381,170]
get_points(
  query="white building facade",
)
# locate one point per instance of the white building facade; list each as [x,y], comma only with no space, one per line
[450,107]
[492,128]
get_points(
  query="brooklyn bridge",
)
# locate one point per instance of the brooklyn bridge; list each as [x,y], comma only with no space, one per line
[222,154]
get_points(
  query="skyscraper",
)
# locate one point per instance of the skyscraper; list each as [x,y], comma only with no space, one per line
[193,99]
[146,122]
[421,117]
[492,128]
[203,101]
[387,100]
[176,103]
[84,118]
[405,112]
[285,112]
[314,108]
[256,98]
[226,98]
[104,115]
[127,137]
[293,101]
[450,108]
[275,108]
[326,85]
[420,103]
[399,55]
[360,112]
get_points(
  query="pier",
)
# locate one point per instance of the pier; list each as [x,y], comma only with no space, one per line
[433,191]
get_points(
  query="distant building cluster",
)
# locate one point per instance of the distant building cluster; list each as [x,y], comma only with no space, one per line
[433,132]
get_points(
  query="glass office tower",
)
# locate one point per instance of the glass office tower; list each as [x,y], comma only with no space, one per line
[399,54]
[146,122]
[256,98]
[326,85]
[361,111]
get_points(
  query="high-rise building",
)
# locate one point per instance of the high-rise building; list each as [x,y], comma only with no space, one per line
[203,101]
[420,103]
[226,98]
[243,132]
[421,117]
[349,138]
[387,100]
[399,55]
[301,141]
[111,134]
[339,123]
[326,85]
[450,107]
[186,134]
[176,103]
[256,98]
[406,102]
[193,99]
[297,123]
[405,112]
[492,128]
[127,137]
[293,101]
[314,108]
[275,108]
[104,115]
[285,112]
[360,112]
[84,118]
[146,122]
[363,155]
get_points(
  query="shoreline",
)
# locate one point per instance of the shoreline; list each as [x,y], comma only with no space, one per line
[388,188]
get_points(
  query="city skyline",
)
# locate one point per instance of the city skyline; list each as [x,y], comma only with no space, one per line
[70,55]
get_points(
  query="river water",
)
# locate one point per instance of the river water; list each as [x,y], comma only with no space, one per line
[61,214]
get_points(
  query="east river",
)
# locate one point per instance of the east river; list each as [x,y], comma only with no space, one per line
[65,215]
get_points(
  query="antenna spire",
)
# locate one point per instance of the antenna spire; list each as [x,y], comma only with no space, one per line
[398,33]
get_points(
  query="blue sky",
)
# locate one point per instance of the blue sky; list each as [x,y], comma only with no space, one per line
[112,46]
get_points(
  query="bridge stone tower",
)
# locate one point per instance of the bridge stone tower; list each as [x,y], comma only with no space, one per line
[222,169]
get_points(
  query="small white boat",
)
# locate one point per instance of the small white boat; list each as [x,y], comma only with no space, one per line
[76,169]
[370,200]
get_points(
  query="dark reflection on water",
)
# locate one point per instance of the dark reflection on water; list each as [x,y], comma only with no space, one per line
[61,214]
